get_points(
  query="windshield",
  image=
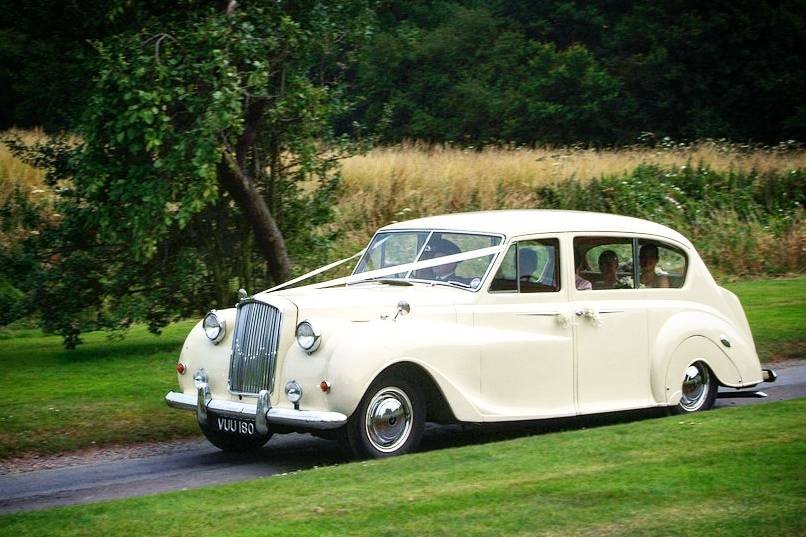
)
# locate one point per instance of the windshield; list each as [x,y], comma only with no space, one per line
[392,248]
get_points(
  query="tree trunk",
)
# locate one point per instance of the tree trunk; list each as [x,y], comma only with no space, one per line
[269,239]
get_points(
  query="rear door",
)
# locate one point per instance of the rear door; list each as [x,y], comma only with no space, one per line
[610,327]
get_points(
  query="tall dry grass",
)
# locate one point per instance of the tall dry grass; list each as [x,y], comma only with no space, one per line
[411,180]
[15,173]
[446,165]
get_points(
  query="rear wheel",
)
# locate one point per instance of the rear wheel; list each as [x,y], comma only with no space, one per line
[234,442]
[389,420]
[699,389]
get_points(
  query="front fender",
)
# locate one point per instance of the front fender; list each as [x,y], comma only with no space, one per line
[445,350]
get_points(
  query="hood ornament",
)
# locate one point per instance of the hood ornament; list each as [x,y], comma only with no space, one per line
[242,294]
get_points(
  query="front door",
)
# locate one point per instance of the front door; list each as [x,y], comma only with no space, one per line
[524,330]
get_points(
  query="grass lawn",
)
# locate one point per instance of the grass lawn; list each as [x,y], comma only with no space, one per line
[101,393]
[776,310]
[736,471]
[108,392]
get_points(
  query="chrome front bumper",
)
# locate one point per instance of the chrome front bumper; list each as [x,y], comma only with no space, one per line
[261,412]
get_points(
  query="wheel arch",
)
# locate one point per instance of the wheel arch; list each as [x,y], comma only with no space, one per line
[437,407]
[694,349]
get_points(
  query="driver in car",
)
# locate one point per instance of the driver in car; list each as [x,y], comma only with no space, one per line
[446,272]
[441,273]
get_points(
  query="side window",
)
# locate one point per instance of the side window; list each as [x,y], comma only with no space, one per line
[603,263]
[661,264]
[607,263]
[531,266]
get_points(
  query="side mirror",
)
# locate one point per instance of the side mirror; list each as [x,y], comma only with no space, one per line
[403,308]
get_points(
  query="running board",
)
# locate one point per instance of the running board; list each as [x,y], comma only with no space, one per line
[726,395]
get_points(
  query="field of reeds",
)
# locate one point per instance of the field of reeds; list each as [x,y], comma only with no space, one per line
[741,205]
[14,172]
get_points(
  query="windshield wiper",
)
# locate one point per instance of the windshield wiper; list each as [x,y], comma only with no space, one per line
[387,281]
[394,281]
[454,283]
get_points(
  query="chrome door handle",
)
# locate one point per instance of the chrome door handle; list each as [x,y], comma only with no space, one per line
[590,314]
[561,318]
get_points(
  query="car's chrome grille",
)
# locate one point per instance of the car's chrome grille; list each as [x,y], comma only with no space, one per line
[254,348]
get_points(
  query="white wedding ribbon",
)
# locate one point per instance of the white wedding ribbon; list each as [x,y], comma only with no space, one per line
[313,273]
[389,271]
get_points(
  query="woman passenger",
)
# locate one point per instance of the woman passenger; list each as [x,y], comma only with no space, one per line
[608,266]
[650,275]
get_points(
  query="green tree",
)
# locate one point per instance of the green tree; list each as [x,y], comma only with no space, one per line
[215,99]
[472,78]
[205,139]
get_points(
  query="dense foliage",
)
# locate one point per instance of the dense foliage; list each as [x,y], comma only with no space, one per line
[201,133]
[473,71]
[568,71]
[204,140]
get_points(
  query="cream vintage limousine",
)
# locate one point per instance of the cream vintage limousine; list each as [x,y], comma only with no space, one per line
[477,317]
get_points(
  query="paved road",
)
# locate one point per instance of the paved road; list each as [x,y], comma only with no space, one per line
[196,463]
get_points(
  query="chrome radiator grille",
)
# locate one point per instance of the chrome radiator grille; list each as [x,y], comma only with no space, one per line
[254,348]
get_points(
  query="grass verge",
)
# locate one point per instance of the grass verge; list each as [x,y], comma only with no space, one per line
[776,311]
[110,392]
[670,476]
[104,392]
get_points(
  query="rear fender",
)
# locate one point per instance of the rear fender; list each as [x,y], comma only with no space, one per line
[698,349]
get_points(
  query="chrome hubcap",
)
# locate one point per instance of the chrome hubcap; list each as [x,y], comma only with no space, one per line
[695,387]
[388,420]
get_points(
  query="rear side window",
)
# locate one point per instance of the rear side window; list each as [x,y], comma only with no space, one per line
[620,262]
[661,265]
[605,262]
[531,266]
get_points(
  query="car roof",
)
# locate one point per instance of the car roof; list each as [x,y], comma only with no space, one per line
[527,221]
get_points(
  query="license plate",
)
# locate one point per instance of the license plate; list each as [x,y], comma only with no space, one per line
[235,426]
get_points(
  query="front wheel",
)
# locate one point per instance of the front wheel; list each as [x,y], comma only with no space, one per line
[389,420]
[699,389]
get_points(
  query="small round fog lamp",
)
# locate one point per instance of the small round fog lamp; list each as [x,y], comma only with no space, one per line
[293,391]
[200,379]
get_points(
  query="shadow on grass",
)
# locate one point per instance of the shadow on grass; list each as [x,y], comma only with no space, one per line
[313,451]
[449,436]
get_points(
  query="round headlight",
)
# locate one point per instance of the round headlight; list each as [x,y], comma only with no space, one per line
[293,391]
[215,328]
[308,336]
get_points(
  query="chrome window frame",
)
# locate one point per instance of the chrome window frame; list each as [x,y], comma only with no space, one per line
[515,242]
